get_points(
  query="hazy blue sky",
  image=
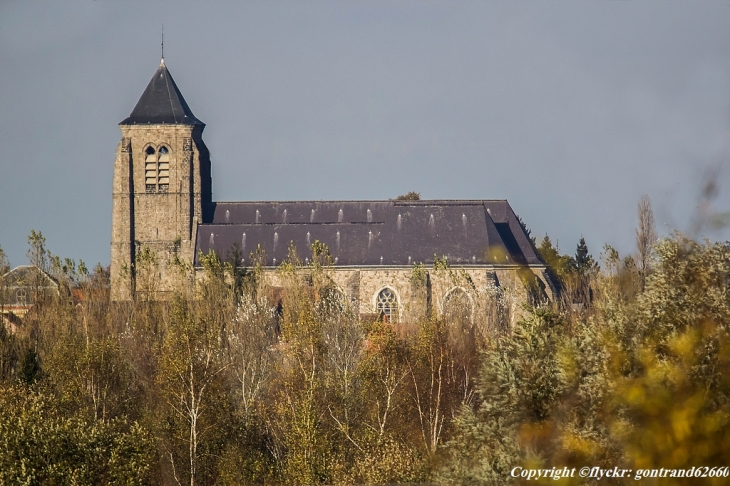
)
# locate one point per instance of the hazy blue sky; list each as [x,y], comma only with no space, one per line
[569,109]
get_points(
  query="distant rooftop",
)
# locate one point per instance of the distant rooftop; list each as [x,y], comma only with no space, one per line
[28,275]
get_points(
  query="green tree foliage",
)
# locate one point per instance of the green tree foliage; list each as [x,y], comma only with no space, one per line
[40,443]
[30,367]
[4,268]
[4,263]
[249,377]
[641,383]
[37,253]
[192,362]
[146,273]
[411,196]
[527,230]
[572,276]
[584,270]
[583,262]
[64,271]
[646,238]
[92,375]
[559,265]
[518,384]
[11,352]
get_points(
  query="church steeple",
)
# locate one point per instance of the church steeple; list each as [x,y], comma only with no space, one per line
[161,103]
[162,184]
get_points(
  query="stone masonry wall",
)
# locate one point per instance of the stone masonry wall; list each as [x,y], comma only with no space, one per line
[163,221]
[482,285]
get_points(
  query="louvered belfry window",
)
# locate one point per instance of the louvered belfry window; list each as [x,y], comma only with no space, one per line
[163,169]
[157,169]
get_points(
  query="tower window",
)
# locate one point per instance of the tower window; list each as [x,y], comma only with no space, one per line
[387,305]
[150,170]
[157,169]
[163,168]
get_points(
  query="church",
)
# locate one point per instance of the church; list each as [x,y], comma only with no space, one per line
[163,205]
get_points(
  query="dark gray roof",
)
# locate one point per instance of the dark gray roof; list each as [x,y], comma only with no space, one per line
[371,232]
[161,102]
[28,276]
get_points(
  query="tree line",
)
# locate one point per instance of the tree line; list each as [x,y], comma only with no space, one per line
[235,381]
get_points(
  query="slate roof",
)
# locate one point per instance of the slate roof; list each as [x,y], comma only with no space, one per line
[364,233]
[161,102]
[28,276]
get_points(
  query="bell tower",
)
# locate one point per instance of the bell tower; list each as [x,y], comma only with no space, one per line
[162,183]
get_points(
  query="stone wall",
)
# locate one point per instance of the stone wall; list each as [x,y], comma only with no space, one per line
[164,221]
[494,292]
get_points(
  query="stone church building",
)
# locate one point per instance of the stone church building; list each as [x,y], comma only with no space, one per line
[162,200]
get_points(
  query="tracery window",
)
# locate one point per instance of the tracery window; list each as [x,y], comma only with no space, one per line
[387,305]
[157,169]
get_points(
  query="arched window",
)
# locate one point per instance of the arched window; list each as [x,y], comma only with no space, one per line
[163,168]
[387,305]
[21,297]
[150,170]
[157,169]
[457,315]
[457,307]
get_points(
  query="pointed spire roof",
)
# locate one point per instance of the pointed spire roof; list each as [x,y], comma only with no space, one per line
[161,102]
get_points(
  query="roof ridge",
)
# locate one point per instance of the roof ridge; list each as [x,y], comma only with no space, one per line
[169,95]
[420,201]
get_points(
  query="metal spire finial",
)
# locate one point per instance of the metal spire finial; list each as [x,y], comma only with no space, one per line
[162,44]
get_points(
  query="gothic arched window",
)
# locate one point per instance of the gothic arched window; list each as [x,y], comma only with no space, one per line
[163,168]
[457,314]
[150,169]
[457,307]
[157,169]
[387,305]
